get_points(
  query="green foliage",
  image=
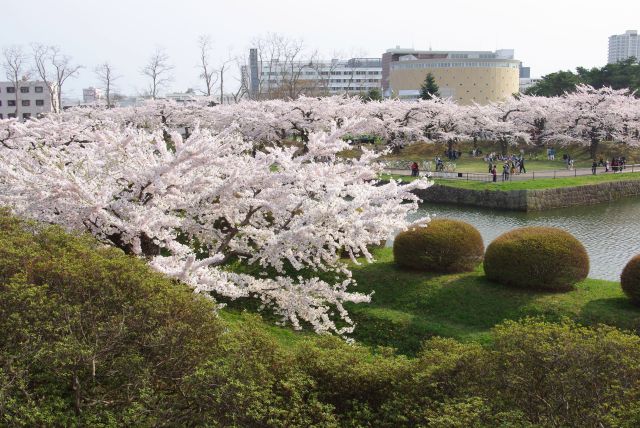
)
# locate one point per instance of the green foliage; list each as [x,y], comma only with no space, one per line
[630,280]
[555,84]
[92,337]
[373,94]
[563,374]
[445,245]
[543,258]
[429,89]
[621,75]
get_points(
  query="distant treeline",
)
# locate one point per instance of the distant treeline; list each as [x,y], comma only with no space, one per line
[621,75]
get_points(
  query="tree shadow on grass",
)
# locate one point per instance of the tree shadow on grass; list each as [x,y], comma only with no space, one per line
[615,311]
[408,307]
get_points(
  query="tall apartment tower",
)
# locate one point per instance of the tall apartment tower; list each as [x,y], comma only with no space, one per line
[623,46]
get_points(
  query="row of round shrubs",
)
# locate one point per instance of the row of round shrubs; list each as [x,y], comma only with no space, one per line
[532,257]
[544,258]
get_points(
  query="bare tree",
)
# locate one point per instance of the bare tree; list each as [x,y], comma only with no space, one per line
[207,73]
[54,69]
[284,64]
[243,80]
[106,76]
[158,70]
[15,66]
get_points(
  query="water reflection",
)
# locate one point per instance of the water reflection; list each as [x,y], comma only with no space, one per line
[610,232]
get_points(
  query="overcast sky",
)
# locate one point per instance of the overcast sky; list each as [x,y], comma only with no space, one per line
[547,35]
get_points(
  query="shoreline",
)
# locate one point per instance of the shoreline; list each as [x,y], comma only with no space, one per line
[532,199]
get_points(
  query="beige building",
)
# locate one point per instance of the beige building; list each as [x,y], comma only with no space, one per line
[464,76]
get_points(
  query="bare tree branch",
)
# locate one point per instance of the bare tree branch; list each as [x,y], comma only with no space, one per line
[106,76]
[158,70]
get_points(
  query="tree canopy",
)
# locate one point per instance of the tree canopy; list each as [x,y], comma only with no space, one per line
[621,75]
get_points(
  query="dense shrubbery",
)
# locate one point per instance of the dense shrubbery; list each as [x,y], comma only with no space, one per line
[93,337]
[542,258]
[445,245]
[630,279]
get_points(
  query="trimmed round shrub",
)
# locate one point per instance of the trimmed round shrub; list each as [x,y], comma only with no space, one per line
[630,280]
[445,245]
[544,258]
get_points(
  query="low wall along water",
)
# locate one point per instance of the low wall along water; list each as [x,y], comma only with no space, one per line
[532,200]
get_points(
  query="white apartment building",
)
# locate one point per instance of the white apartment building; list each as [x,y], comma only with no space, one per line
[527,82]
[29,100]
[624,46]
[353,76]
[91,95]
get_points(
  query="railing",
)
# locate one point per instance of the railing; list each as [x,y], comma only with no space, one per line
[533,175]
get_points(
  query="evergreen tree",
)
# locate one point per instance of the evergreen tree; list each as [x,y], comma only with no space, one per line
[429,88]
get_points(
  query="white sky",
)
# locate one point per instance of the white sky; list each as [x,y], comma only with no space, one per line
[547,35]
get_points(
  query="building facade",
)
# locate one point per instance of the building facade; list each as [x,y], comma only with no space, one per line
[30,99]
[464,76]
[91,95]
[624,46]
[288,79]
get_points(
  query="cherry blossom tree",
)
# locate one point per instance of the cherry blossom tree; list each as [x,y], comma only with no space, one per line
[589,116]
[193,206]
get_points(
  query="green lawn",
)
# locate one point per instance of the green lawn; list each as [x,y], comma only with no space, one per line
[408,307]
[536,159]
[542,183]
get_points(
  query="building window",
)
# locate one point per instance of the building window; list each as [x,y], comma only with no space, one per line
[39,89]
[40,103]
[26,103]
[24,89]
[0,103]
[11,103]
[1,117]
[11,90]
[26,115]
[11,116]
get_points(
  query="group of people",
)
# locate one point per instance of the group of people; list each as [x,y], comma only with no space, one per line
[452,154]
[616,165]
[509,168]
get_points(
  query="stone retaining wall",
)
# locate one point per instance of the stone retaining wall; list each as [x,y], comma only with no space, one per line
[532,200]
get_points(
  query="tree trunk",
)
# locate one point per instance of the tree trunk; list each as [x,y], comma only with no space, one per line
[504,147]
[593,148]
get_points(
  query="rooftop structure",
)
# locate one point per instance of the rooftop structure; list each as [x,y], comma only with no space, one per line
[464,76]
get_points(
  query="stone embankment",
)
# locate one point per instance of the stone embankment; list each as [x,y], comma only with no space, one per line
[532,200]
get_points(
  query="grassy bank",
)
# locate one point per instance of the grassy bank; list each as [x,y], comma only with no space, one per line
[542,183]
[536,156]
[408,307]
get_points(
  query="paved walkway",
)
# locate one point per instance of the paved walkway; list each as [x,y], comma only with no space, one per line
[530,175]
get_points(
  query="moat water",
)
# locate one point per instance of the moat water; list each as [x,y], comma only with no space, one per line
[610,232]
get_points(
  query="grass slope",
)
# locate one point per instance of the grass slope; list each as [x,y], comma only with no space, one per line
[409,306]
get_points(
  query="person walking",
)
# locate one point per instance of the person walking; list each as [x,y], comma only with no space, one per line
[522,168]
[494,173]
[505,172]
[415,169]
[594,167]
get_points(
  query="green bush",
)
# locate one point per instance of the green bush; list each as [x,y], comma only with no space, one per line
[630,279]
[544,258]
[445,245]
[92,337]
